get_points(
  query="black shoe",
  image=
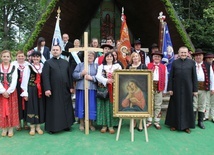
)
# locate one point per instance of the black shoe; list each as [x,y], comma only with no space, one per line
[116,126]
[200,120]
[140,130]
[51,132]
[187,130]
[67,129]
[201,125]
[213,120]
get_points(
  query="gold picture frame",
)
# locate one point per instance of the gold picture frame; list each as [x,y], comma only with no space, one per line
[133,93]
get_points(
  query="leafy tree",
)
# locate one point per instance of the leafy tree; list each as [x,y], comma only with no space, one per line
[198,19]
[18,18]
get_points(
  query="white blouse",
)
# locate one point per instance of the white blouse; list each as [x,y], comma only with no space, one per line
[26,76]
[108,69]
[13,83]
[156,76]
[17,64]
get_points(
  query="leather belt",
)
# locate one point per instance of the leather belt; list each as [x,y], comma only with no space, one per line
[201,85]
[155,85]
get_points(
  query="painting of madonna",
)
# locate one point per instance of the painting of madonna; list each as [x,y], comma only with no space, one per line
[134,100]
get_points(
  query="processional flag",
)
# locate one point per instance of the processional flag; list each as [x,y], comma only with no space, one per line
[167,48]
[125,45]
[57,37]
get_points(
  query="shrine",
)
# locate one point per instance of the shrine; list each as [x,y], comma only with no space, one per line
[102,18]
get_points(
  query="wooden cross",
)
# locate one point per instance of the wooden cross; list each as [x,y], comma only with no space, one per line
[86,49]
[161,17]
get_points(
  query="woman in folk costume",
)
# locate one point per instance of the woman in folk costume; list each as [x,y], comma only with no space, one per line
[20,64]
[135,63]
[159,86]
[105,106]
[32,93]
[80,74]
[9,116]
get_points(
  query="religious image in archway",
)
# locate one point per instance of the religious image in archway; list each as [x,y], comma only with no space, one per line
[107,20]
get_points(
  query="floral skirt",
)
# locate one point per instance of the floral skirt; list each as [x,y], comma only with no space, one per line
[105,113]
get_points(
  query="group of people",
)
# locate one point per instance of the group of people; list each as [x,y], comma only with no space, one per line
[35,93]
[39,91]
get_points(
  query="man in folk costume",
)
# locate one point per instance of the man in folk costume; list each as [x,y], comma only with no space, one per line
[210,97]
[159,86]
[106,48]
[153,48]
[137,48]
[205,83]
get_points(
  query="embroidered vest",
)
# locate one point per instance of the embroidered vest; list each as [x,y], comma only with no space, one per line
[213,66]
[100,60]
[9,76]
[32,77]
[162,75]
[206,70]
[35,80]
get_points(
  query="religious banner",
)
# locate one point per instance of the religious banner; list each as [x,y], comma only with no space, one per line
[168,52]
[167,48]
[57,37]
[125,45]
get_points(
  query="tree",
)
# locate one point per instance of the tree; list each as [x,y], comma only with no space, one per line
[18,18]
[198,18]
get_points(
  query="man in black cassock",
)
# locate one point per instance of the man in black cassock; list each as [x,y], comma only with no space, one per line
[58,86]
[182,85]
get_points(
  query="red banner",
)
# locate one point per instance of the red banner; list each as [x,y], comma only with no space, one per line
[125,45]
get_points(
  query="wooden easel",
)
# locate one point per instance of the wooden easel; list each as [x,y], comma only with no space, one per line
[132,129]
[86,49]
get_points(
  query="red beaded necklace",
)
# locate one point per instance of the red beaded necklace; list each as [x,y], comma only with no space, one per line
[5,70]
[37,69]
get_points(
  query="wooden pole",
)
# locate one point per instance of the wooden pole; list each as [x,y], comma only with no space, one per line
[86,83]
[86,49]
[161,29]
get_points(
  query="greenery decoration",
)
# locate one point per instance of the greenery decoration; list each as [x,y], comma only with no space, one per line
[173,16]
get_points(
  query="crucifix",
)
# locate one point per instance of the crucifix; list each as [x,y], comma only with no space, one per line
[161,29]
[86,49]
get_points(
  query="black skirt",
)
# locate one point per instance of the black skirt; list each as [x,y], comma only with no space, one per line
[21,104]
[35,107]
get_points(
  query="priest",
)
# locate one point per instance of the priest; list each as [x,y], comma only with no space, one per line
[182,86]
[58,86]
